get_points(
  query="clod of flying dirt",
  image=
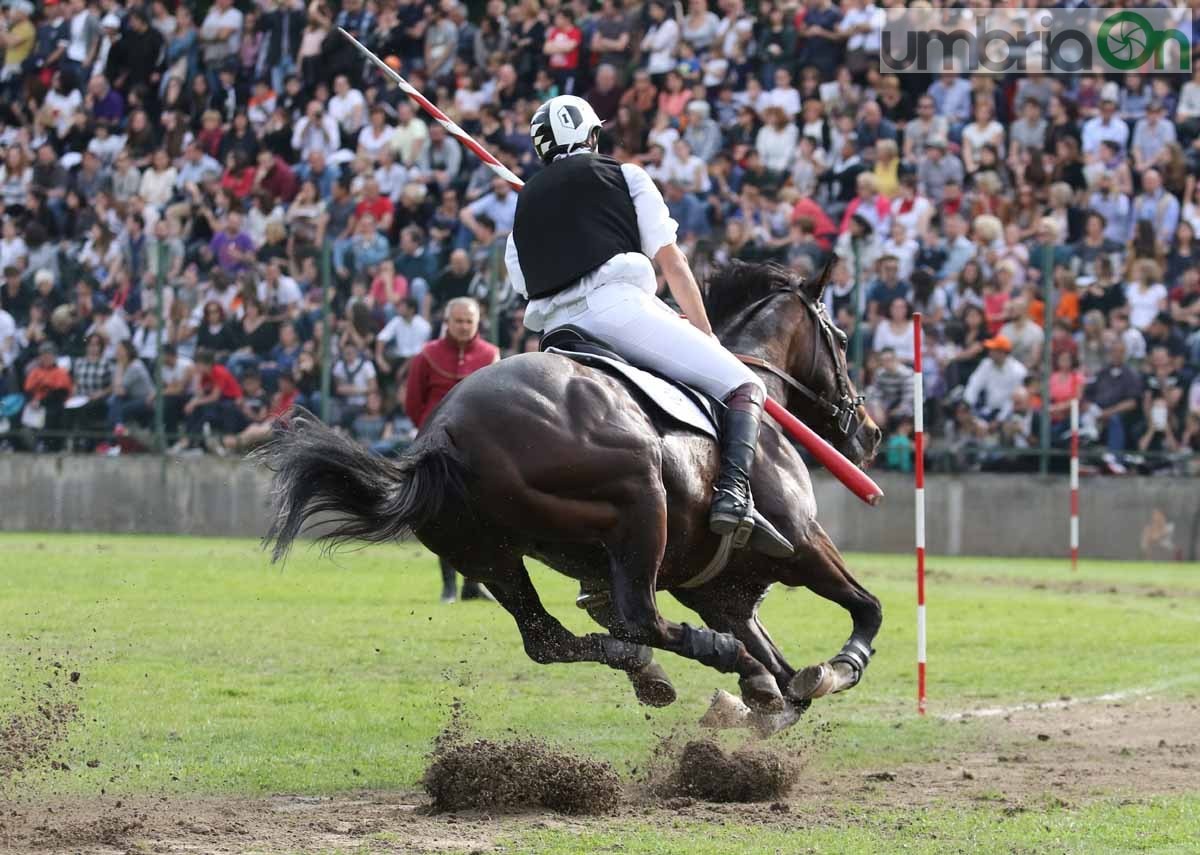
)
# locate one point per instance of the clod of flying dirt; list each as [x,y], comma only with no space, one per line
[519,774]
[751,774]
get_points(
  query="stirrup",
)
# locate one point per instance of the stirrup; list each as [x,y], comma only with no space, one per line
[728,525]
[766,539]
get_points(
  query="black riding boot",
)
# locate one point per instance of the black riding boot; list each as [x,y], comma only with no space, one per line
[732,510]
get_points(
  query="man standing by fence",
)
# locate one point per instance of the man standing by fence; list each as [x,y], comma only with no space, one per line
[433,372]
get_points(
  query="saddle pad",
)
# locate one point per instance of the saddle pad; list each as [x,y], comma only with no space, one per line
[678,403]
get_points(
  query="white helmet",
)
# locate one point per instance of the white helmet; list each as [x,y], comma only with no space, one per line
[562,124]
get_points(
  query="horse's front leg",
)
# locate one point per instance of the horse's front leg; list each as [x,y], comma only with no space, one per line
[819,567]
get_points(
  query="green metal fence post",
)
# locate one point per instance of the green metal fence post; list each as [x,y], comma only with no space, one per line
[160,431]
[327,327]
[1047,356]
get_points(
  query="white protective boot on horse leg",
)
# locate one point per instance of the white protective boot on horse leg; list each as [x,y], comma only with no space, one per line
[727,712]
[840,673]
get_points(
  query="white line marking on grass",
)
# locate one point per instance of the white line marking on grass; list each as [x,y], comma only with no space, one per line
[1123,695]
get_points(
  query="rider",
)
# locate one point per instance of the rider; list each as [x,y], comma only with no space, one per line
[585,231]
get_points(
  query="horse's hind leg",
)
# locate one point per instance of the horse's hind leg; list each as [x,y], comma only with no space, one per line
[545,639]
[820,568]
[635,548]
[650,681]
[733,608]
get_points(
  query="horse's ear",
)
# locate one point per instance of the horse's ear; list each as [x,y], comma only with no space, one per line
[814,289]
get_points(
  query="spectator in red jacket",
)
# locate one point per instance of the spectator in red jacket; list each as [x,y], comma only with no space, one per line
[432,374]
[445,361]
[214,401]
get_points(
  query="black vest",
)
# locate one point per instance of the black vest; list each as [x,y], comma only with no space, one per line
[573,216]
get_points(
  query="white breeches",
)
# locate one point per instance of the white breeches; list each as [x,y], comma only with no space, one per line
[644,330]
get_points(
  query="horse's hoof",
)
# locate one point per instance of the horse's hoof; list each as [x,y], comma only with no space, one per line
[815,681]
[652,686]
[761,694]
[725,711]
[769,725]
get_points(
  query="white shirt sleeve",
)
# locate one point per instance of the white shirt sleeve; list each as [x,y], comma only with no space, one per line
[513,263]
[655,226]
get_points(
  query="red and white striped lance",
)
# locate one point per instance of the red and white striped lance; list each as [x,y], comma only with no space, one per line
[919,469]
[1074,483]
[440,117]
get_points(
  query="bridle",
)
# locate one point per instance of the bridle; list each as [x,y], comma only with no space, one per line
[843,414]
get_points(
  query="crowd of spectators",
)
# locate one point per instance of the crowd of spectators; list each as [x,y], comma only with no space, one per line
[243,162]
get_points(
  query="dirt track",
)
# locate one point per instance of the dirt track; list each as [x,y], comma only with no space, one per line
[1071,755]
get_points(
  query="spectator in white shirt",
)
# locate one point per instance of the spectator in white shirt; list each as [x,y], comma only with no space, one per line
[221,33]
[1106,126]
[990,389]
[403,337]
[348,107]
[784,95]
[660,40]
[776,140]
[317,131]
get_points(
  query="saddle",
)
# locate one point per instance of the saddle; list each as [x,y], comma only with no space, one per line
[671,404]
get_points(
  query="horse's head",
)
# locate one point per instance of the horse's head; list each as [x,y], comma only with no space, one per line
[768,312]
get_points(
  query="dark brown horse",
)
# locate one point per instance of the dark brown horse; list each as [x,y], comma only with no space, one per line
[541,456]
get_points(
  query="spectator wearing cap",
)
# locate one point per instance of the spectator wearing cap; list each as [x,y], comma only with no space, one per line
[1114,398]
[990,388]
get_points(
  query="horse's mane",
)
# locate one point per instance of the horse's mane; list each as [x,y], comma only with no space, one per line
[738,284]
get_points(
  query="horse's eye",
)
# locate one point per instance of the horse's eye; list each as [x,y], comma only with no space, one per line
[842,339]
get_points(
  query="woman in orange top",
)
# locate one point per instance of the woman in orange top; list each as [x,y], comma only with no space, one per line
[1066,383]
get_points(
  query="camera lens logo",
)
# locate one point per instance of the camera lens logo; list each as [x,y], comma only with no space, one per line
[1126,40]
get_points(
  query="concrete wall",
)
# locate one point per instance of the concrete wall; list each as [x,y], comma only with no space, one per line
[1017,515]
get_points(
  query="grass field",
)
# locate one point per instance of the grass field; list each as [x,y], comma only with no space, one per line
[208,673]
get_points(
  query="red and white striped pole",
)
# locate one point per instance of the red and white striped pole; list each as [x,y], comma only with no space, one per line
[1074,484]
[919,468]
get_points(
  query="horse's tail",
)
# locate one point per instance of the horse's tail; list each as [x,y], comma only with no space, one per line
[360,496]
